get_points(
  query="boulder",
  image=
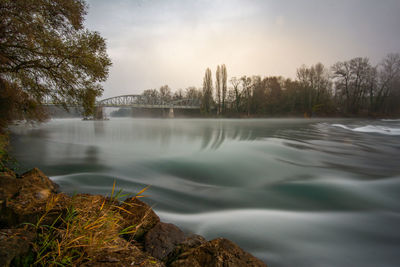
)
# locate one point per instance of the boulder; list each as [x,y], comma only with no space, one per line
[162,239]
[36,179]
[28,197]
[15,246]
[218,253]
[190,242]
[139,216]
[9,186]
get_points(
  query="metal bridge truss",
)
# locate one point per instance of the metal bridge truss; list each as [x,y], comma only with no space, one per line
[140,101]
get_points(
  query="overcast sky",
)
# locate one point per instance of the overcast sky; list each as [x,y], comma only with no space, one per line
[157,42]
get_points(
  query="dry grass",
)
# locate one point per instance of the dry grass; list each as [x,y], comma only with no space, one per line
[89,225]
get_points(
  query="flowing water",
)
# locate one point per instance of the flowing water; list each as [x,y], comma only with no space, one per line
[293,192]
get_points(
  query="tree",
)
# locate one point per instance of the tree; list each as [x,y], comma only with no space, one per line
[151,96]
[274,94]
[178,94]
[352,82]
[45,52]
[224,77]
[88,102]
[387,79]
[246,84]
[258,100]
[207,92]
[236,83]
[193,93]
[218,85]
[165,94]
[315,87]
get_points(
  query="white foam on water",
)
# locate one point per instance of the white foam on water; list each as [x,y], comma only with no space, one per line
[371,129]
[390,120]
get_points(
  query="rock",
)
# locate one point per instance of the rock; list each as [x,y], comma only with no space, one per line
[24,198]
[192,241]
[36,179]
[28,207]
[218,253]
[162,239]
[15,245]
[9,186]
[126,255]
[139,216]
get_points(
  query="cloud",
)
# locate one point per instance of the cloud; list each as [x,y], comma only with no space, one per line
[156,42]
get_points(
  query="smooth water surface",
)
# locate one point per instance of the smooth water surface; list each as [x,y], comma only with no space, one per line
[294,192]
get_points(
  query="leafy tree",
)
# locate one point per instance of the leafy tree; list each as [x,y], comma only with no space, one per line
[88,102]
[45,52]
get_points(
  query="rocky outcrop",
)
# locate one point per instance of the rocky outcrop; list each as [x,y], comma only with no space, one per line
[24,198]
[15,245]
[190,242]
[140,215]
[105,231]
[162,239]
[126,254]
[219,253]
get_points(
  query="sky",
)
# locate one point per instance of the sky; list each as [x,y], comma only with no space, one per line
[156,42]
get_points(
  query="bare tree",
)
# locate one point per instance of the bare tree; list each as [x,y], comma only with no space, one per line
[165,94]
[207,92]
[246,84]
[178,94]
[352,81]
[218,88]
[315,86]
[387,81]
[236,84]
[193,93]
[224,77]
[151,96]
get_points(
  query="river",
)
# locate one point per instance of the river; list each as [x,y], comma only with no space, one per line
[293,192]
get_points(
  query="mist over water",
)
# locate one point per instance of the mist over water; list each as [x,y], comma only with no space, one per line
[294,192]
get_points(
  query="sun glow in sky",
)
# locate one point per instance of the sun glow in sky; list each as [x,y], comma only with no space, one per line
[157,42]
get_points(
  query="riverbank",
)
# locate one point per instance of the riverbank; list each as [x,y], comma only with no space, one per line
[44,227]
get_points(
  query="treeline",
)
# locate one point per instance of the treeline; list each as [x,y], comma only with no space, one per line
[349,88]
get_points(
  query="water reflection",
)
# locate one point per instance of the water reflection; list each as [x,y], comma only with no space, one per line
[92,155]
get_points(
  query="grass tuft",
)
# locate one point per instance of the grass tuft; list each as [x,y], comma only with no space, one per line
[87,226]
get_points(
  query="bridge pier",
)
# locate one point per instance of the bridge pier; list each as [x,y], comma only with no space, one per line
[171,113]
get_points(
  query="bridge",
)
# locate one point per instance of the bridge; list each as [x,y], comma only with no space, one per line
[140,101]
